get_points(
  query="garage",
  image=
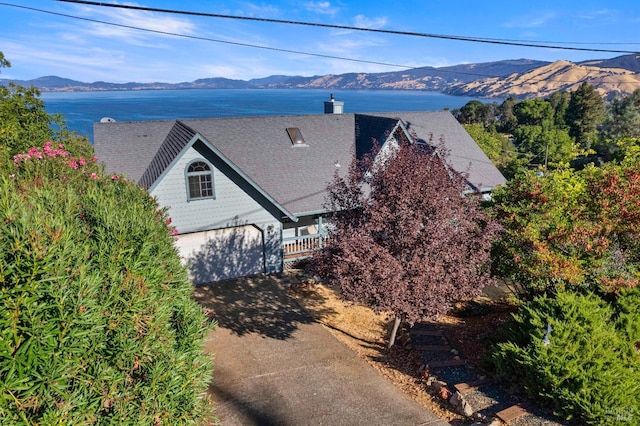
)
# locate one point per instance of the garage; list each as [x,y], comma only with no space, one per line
[222,254]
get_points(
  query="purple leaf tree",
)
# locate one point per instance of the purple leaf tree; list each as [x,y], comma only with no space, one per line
[406,239]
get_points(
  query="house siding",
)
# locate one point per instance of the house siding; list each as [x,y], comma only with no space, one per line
[232,207]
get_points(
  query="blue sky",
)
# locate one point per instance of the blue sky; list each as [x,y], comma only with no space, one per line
[40,44]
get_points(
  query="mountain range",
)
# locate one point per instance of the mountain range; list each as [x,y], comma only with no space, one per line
[522,78]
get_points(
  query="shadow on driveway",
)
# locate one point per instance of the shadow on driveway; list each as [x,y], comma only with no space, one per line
[274,365]
[257,304]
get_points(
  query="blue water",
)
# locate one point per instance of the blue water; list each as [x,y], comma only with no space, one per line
[82,109]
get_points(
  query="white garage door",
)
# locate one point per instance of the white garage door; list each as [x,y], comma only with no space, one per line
[222,254]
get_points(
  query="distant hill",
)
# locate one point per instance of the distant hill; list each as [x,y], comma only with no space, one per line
[557,76]
[521,78]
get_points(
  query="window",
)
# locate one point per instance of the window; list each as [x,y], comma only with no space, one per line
[199,180]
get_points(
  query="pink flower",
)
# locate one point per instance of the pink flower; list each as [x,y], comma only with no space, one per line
[12,176]
[82,162]
[174,232]
[94,176]
[73,164]
[168,221]
[35,152]
[115,177]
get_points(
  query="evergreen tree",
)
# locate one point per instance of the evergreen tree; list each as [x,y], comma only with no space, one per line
[624,117]
[586,110]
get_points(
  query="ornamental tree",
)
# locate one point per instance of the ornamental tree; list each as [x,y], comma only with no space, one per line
[406,240]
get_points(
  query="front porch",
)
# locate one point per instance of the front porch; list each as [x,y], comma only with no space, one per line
[303,246]
[301,239]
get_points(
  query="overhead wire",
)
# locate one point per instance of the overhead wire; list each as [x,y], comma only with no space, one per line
[242,44]
[132,27]
[508,42]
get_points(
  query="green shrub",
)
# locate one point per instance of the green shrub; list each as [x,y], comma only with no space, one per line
[97,322]
[589,369]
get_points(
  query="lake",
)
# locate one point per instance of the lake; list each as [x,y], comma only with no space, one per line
[82,109]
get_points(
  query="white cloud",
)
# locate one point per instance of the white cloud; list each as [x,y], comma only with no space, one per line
[597,14]
[262,11]
[126,20]
[531,21]
[362,21]
[226,71]
[322,8]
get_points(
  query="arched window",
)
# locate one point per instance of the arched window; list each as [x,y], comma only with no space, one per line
[199,180]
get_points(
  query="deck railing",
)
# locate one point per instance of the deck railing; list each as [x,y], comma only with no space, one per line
[303,246]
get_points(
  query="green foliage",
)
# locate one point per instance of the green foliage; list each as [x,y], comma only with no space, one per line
[97,323]
[559,102]
[4,63]
[548,146]
[496,146]
[586,110]
[589,370]
[24,121]
[476,112]
[533,112]
[624,117]
[572,229]
[507,121]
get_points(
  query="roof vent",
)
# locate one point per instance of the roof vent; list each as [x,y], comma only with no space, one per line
[296,137]
[333,107]
[107,120]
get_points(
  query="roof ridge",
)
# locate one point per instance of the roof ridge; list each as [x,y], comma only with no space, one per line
[175,141]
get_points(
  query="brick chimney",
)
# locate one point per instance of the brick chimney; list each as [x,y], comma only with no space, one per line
[333,107]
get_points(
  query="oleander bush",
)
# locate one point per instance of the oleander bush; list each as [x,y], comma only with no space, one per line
[587,367]
[97,322]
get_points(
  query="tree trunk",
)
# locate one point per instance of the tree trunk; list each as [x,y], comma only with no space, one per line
[394,331]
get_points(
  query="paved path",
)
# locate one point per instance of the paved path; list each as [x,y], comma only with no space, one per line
[274,366]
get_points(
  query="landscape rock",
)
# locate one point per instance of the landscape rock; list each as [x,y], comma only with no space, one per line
[437,385]
[456,399]
[466,409]
[444,393]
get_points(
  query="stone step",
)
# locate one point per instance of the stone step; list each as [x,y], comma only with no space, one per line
[466,388]
[447,363]
[427,332]
[433,347]
[512,413]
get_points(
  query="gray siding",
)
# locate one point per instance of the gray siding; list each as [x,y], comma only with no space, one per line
[232,207]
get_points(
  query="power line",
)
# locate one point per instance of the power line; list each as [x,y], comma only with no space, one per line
[297,52]
[131,27]
[438,70]
[345,27]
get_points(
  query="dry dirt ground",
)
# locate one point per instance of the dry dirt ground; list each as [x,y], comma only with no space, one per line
[366,333]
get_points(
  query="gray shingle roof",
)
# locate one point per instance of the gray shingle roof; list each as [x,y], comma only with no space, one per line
[129,147]
[296,177]
[464,155]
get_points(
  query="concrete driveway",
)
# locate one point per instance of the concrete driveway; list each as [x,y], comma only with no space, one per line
[273,365]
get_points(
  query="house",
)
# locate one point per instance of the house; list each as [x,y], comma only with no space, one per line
[247,194]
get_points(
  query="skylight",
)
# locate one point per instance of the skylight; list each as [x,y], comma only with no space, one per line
[296,136]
